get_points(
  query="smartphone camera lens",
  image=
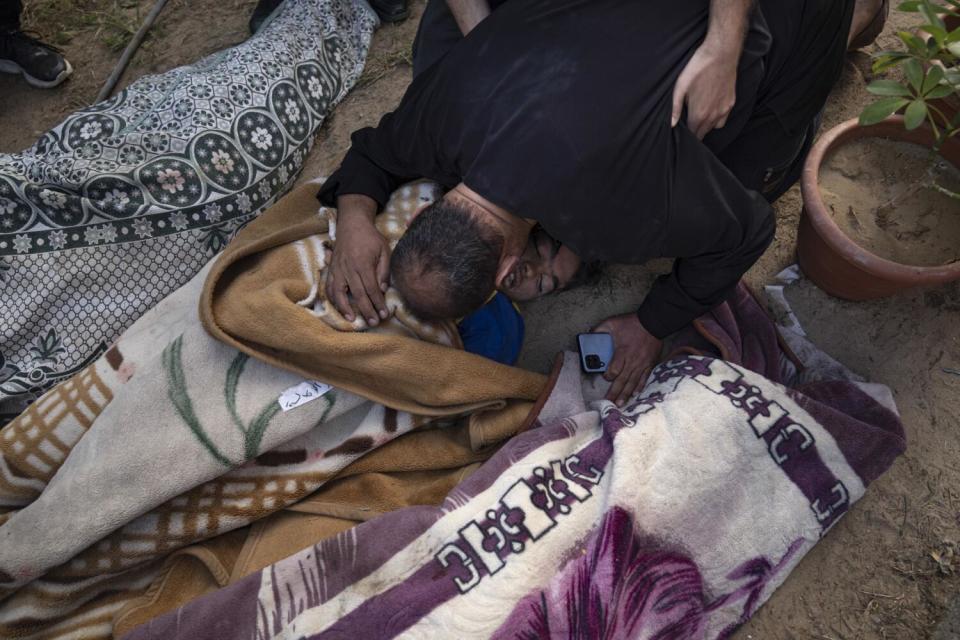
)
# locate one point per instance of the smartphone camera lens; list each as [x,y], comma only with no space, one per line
[594,361]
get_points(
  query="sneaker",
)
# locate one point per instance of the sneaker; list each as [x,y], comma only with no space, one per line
[42,65]
[261,12]
[390,10]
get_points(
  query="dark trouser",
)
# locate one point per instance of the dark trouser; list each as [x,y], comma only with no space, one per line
[766,158]
[437,33]
[767,149]
[10,14]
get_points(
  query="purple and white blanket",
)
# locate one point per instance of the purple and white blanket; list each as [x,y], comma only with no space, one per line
[675,517]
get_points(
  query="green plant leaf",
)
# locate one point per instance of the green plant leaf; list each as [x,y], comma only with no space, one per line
[939,91]
[880,109]
[914,44]
[939,35]
[954,48]
[930,13]
[888,88]
[911,6]
[914,73]
[915,114]
[932,79]
[886,59]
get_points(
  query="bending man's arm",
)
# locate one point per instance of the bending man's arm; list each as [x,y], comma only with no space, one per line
[376,164]
[708,83]
[717,231]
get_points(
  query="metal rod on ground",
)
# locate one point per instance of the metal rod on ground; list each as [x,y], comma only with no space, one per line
[138,37]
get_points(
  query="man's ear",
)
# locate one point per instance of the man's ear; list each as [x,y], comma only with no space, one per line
[507,264]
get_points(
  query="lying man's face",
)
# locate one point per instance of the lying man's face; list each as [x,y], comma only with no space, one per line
[545,267]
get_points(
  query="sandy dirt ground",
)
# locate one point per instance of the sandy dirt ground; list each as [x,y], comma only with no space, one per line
[886,571]
[878,193]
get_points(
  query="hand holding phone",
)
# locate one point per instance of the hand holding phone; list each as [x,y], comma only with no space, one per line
[596,351]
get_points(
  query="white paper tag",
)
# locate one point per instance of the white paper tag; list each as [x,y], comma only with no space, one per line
[302,394]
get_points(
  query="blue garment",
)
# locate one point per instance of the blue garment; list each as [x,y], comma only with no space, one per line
[495,331]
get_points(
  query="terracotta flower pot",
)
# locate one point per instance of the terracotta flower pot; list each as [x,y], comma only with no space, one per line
[831,259]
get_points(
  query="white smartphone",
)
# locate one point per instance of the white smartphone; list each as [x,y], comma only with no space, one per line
[596,351]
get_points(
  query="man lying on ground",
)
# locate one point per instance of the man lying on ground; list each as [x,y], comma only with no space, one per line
[559,113]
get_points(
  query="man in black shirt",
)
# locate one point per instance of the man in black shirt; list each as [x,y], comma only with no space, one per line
[559,112]
[706,86]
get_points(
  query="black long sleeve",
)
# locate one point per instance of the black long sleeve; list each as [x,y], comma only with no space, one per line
[374,166]
[717,231]
[359,174]
[404,146]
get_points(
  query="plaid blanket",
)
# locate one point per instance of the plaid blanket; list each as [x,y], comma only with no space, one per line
[674,517]
[126,200]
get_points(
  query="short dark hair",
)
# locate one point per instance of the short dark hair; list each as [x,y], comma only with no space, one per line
[445,265]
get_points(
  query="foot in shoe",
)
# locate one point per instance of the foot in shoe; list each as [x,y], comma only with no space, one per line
[390,10]
[42,65]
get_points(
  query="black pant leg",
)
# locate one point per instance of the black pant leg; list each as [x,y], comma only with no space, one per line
[768,153]
[10,11]
[768,158]
[437,34]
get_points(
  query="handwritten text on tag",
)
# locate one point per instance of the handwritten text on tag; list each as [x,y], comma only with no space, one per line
[302,394]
